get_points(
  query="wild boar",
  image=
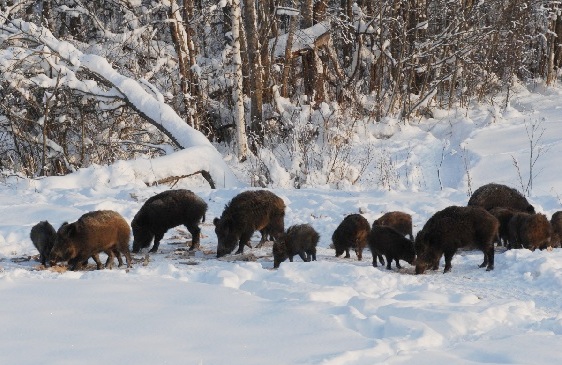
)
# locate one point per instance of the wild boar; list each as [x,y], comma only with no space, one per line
[352,232]
[247,212]
[164,211]
[43,236]
[556,223]
[385,240]
[400,221]
[529,231]
[503,215]
[452,228]
[94,232]
[496,195]
[298,240]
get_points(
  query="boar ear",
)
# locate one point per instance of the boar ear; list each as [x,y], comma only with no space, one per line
[67,230]
[216,221]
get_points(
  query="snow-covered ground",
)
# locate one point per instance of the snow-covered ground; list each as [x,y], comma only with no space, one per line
[176,308]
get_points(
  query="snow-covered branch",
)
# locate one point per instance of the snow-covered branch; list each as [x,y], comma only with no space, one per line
[154,110]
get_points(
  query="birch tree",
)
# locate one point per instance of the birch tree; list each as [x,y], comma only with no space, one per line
[237,88]
[255,71]
[183,44]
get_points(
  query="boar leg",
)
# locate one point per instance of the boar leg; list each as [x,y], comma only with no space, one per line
[128,257]
[388,262]
[195,235]
[435,264]
[78,263]
[375,255]
[263,238]
[359,252]
[347,253]
[96,258]
[110,257]
[313,254]
[302,254]
[488,258]
[157,237]
[448,257]
[398,263]
[119,259]
[244,239]
[109,261]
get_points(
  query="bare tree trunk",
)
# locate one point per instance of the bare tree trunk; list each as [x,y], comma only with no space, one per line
[312,72]
[180,40]
[347,46]
[308,58]
[238,94]
[288,57]
[268,19]
[194,88]
[255,71]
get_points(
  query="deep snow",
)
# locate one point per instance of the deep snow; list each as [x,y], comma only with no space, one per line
[178,308]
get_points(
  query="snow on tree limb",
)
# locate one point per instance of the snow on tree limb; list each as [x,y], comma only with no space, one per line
[67,60]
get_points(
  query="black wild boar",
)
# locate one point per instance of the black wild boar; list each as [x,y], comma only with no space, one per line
[94,232]
[43,236]
[556,223]
[351,233]
[503,215]
[247,212]
[496,195]
[164,211]
[385,240]
[400,221]
[298,240]
[452,228]
[529,231]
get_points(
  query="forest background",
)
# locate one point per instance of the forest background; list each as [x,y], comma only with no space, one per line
[279,85]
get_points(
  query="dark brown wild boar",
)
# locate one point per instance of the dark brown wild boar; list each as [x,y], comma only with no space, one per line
[352,232]
[556,223]
[400,221]
[503,215]
[249,211]
[43,236]
[385,240]
[496,195]
[94,232]
[164,211]
[529,231]
[452,228]
[299,240]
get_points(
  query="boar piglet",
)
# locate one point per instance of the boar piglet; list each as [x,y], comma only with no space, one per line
[298,240]
[503,215]
[556,223]
[529,231]
[387,241]
[352,232]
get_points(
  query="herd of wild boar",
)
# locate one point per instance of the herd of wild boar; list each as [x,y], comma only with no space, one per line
[495,214]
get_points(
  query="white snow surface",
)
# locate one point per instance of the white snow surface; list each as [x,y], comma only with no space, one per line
[177,308]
